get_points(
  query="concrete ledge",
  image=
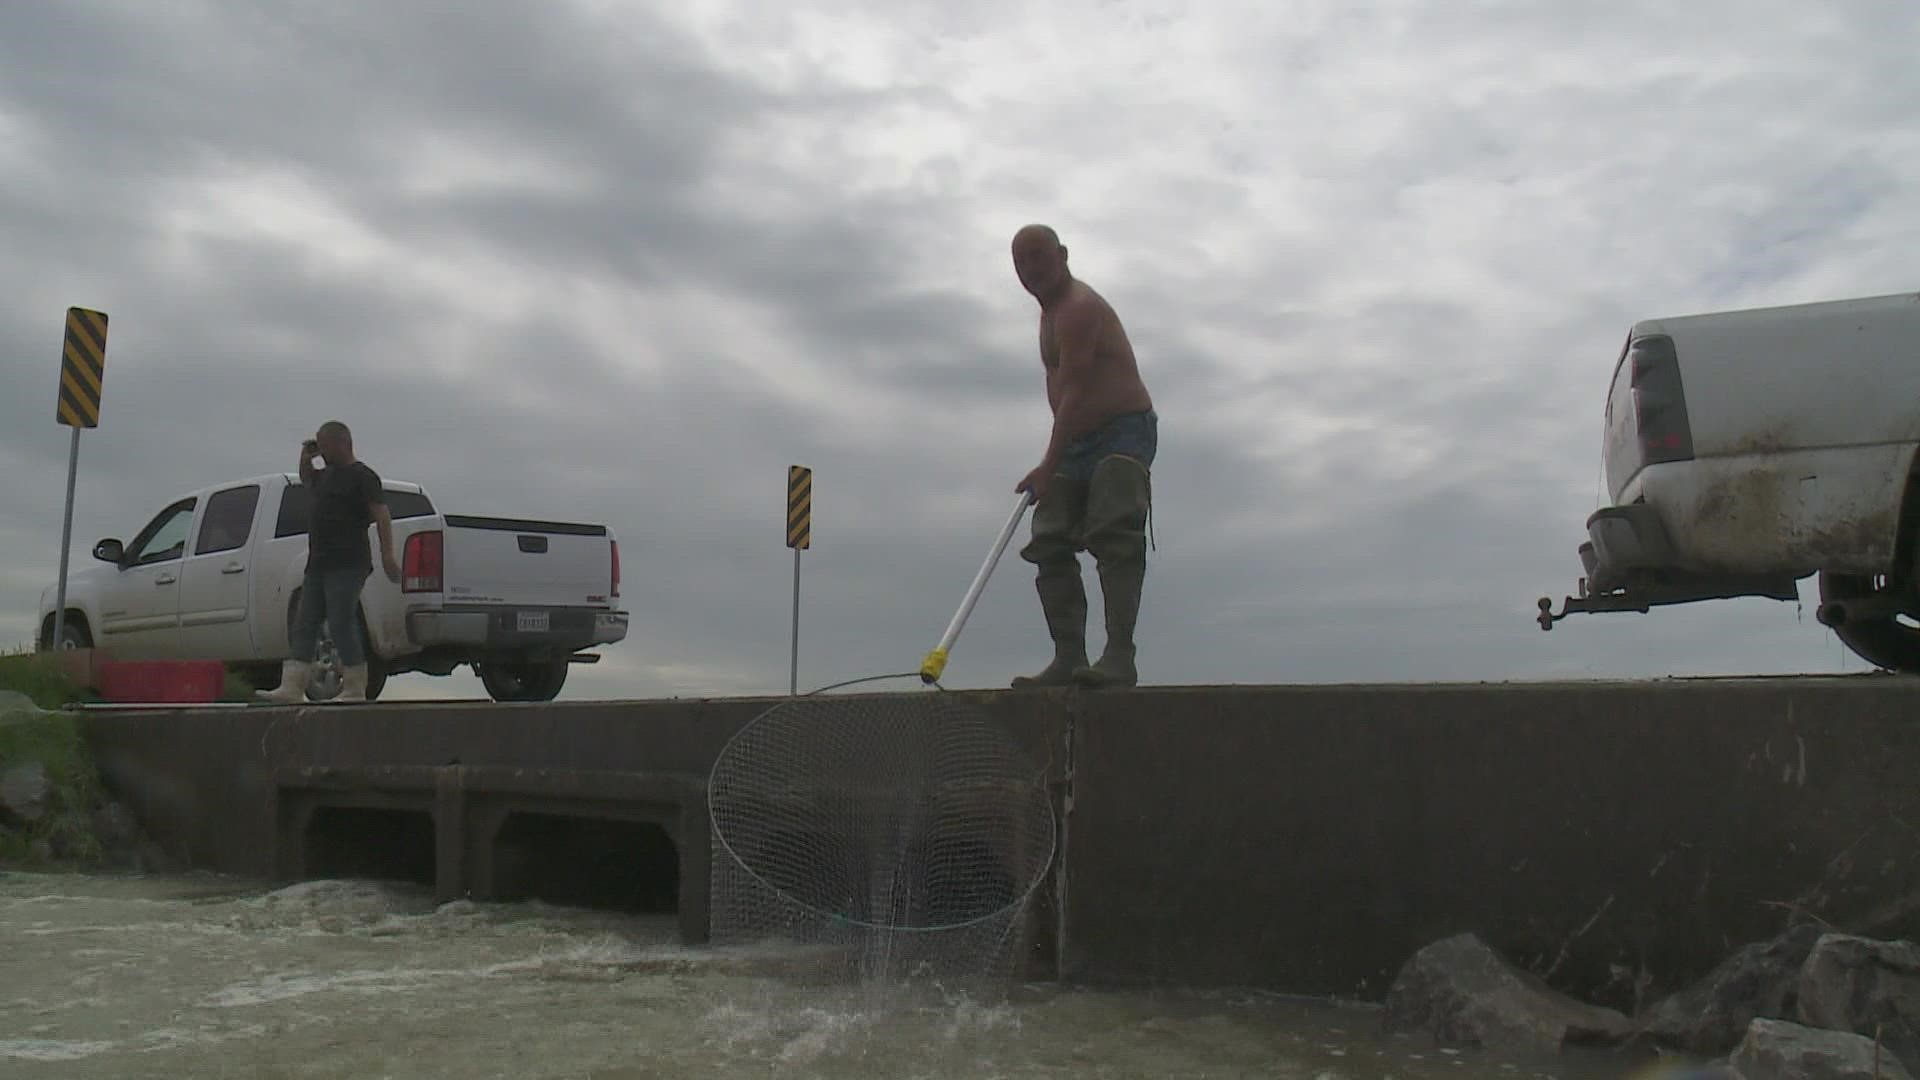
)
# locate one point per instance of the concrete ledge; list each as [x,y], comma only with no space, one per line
[1618,838]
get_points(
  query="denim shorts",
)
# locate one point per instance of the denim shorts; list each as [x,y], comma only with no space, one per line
[1135,435]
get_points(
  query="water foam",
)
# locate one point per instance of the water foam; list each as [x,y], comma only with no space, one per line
[51,1049]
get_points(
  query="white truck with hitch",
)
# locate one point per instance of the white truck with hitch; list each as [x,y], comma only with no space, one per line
[216,575]
[1747,450]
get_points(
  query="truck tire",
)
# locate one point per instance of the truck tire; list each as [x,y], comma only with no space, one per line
[523,680]
[74,634]
[1887,643]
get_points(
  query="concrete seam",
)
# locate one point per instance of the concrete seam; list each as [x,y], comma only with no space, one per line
[1061,847]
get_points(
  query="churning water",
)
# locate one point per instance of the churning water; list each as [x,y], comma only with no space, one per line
[202,976]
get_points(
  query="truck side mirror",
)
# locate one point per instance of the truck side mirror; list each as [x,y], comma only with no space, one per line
[110,551]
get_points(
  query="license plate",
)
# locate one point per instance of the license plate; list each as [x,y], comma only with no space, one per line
[531,622]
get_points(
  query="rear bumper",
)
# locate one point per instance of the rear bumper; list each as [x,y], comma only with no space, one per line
[516,629]
[1624,542]
[1630,564]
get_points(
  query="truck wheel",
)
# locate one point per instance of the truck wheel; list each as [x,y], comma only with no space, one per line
[1886,642]
[73,634]
[524,680]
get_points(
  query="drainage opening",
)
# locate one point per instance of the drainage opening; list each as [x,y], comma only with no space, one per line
[600,863]
[384,845]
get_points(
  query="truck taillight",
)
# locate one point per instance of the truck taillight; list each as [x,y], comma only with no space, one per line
[1659,403]
[423,567]
[616,568]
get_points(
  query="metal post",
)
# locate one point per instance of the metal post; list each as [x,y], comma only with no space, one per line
[66,541]
[793,672]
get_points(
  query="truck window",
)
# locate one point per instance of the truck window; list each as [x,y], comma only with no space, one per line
[165,537]
[229,520]
[408,504]
[296,505]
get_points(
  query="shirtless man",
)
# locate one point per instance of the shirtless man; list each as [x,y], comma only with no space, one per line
[1092,486]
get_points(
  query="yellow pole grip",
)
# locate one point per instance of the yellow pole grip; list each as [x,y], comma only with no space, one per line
[933,665]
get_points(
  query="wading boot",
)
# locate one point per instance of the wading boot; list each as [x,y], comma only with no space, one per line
[1064,600]
[1120,585]
[1118,502]
[293,684]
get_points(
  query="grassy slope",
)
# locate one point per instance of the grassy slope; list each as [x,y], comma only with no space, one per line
[53,740]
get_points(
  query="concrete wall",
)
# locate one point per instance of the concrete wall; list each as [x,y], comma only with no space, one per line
[1305,839]
[1310,839]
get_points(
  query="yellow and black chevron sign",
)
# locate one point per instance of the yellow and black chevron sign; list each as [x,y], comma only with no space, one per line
[83,368]
[799,507]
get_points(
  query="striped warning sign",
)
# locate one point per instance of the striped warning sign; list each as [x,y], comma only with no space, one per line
[83,368]
[799,507]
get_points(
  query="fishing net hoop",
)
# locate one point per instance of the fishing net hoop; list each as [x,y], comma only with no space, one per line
[939,728]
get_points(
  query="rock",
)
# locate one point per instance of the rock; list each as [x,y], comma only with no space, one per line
[1854,984]
[1781,1050]
[24,790]
[1711,1016]
[1460,991]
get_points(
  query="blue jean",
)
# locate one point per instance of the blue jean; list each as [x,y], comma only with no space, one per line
[330,596]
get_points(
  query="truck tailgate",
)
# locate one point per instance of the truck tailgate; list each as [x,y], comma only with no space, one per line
[492,560]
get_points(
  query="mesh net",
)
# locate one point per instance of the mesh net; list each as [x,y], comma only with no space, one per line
[901,835]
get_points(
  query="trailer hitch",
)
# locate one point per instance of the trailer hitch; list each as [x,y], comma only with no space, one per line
[1644,597]
[1584,604]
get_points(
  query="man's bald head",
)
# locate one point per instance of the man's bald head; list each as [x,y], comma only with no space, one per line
[1040,260]
[1036,234]
[336,442]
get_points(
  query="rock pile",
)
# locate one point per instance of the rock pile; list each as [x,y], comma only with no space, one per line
[1810,1004]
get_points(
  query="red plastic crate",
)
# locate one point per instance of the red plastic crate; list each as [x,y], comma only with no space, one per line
[186,682]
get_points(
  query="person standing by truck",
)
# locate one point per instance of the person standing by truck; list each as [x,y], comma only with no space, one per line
[346,497]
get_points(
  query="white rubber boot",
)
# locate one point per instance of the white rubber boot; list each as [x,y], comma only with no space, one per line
[353,684]
[293,684]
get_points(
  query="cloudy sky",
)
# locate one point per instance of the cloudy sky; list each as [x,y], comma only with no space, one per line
[626,262]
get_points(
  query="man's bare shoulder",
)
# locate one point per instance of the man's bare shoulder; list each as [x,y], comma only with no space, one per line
[1085,295]
[1083,307]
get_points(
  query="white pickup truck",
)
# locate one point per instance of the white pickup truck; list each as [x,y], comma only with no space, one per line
[1746,450]
[216,575]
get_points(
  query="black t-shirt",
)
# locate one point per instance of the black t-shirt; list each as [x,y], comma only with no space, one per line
[343,500]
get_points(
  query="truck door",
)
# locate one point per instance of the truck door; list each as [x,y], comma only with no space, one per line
[141,610]
[215,583]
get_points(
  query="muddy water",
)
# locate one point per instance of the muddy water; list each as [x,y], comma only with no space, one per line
[197,976]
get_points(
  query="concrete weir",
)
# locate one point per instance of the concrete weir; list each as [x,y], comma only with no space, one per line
[1617,838]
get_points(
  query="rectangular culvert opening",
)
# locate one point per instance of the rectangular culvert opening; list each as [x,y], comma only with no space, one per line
[601,863]
[377,844]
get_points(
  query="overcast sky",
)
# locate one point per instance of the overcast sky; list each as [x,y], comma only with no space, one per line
[626,262]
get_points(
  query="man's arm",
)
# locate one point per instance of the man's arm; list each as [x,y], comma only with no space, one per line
[376,497]
[1076,332]
[306,466]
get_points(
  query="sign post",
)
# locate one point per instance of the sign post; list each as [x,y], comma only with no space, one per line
[83,371]
[799,536]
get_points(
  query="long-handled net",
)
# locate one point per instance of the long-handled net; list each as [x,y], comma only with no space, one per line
[904,834]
